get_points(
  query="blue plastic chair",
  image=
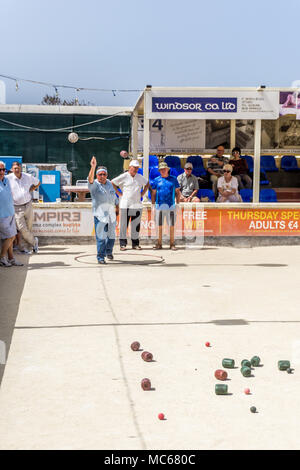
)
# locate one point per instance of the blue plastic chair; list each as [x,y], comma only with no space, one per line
[153,161]
[289,163]
[173,161]
[263,177]
[267,195]
[154,173]
[174,172]
[206,193]
[195,160]
[267,163]
[198,172]
[246,195]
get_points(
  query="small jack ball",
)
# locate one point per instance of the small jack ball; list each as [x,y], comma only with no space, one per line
[161,416]
[207,344]
[247,391]
[253,409]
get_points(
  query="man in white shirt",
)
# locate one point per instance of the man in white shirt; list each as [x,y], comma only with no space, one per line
[22,184]
[133,186]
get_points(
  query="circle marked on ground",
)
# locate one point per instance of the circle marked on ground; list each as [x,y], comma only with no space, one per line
[139,259]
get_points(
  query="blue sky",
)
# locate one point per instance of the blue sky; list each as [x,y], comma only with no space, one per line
[128,44]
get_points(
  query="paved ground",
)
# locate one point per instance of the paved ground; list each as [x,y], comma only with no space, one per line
[71,380]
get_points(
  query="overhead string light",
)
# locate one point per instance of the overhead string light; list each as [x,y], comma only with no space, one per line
[75,88]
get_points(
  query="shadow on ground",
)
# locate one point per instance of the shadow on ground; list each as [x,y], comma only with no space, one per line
[12,282]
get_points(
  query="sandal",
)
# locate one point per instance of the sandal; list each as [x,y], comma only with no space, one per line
[173,248]
[157,246]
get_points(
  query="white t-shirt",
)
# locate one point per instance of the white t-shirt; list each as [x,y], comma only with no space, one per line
[233,184]
[131,188]
[20,187]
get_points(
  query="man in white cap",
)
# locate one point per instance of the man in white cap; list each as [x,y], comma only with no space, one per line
[130,187]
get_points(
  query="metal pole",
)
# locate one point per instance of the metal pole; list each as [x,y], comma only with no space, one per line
[256,169]
[232,133]
[146,146]
[134,146]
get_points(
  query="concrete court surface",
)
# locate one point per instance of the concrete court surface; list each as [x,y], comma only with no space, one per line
[71,380]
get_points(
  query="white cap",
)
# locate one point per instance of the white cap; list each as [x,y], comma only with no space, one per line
[134,163]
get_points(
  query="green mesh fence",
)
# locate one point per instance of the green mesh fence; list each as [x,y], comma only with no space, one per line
[54,147]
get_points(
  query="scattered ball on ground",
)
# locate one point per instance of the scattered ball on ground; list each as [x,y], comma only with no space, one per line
[146,384]
[135,346]
[247,391]
[253,409]
[147,356]
[161,416]
[221,374]
[207,344]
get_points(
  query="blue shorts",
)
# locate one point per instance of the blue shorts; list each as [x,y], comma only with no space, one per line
[8,227]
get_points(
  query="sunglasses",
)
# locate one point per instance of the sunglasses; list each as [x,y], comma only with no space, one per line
[2,169]
[227,171]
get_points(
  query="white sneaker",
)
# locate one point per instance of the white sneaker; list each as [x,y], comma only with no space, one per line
[15,262]
[36,245]
[24,251]
[5,262]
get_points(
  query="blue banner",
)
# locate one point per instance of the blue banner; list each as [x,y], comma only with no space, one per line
[194,105]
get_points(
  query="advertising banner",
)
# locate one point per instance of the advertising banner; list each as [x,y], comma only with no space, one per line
[197,221]
[173,136]
[60,222]
[289,103]
[211,104]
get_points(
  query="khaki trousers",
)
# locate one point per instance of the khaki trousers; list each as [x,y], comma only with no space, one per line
[24,220]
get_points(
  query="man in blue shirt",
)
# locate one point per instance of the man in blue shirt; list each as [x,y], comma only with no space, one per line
[7,222]
[105,203]
[165,190]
